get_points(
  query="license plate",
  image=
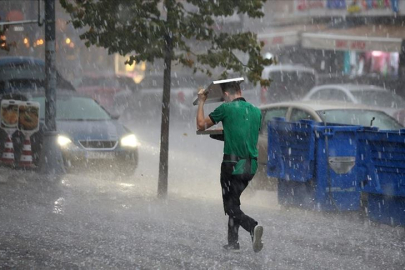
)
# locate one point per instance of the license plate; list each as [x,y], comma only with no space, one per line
[100,155]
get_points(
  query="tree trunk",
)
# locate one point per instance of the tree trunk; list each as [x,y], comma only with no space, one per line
[50,162]
[164,129]
[50,66]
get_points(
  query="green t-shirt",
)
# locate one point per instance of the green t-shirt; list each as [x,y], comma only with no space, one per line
[241,122]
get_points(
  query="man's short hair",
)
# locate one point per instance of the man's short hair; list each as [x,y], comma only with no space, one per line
[231,87]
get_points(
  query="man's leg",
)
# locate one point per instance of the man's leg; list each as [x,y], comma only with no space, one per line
[233,230]
[239,183]
[232,188]
[233,226]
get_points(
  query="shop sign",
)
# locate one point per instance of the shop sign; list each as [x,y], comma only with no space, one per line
[350,43]
[342,7]
[9,114]
[273,40]
[19,115]
[18,28]
[336,4]
[355,45]
[28,120]
[304,5]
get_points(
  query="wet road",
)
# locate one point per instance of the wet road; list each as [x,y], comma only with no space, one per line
[99,221]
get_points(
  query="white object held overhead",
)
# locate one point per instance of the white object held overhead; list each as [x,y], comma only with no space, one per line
[214,90]
[229,80]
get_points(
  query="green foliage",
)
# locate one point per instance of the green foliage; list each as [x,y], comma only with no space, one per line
[144,30]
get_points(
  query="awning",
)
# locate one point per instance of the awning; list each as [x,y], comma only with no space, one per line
[279,37]
[360,38]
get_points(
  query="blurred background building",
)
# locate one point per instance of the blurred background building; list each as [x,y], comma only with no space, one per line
[341,39]
[362,39]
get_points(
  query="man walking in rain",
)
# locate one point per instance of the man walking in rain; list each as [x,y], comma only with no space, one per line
[241,123]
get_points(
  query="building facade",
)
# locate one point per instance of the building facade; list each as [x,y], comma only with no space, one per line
[352,38]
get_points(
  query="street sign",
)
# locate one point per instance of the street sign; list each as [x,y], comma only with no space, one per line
[28,117]
[9,115]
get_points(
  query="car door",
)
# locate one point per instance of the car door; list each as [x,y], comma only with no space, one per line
[267,115]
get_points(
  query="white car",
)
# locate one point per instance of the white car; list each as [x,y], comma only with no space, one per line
[328,112]
[358,94]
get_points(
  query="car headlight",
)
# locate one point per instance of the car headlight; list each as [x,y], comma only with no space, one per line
[64,141]
[129,141]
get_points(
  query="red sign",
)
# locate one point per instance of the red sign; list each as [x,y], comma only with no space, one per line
[14,15]
[341,44]
[277,40]
[352,45]
[358,45]
[309,4]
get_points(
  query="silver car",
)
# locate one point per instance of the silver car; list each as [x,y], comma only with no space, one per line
[328,112]
[368,95]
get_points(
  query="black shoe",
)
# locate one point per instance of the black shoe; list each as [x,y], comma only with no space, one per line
[232,247]
[257,238]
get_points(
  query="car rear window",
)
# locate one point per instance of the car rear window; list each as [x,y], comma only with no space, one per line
[360,117]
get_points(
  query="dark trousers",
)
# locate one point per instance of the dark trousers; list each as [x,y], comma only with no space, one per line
[232,188]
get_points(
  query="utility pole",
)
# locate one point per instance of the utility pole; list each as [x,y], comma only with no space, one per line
[51,161]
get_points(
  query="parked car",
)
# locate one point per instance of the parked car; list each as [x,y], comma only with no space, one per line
[114,92]
[331,112]
[289,82]
[88,135]
[359,94]
[26,74]
[400,116]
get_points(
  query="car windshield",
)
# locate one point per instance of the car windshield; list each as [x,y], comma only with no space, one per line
[379,98]
[360,117]
[75,108]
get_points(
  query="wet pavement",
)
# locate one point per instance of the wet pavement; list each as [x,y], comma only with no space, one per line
[99,221]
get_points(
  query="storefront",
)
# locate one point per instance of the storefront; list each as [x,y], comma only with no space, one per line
[369,49]
[339,8]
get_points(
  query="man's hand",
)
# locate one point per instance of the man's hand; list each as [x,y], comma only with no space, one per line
[202,122]
[202,95]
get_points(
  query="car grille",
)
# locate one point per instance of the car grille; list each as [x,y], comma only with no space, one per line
[99,144]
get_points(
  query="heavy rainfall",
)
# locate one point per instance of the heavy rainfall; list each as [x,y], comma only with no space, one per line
[103,167]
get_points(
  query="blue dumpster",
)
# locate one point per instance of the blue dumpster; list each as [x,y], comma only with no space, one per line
[315,164]
[382,174]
